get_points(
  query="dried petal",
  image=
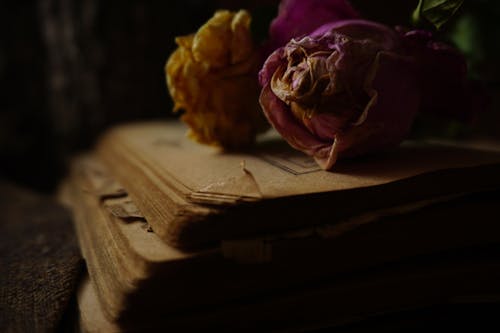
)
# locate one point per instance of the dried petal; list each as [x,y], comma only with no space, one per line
[347,89]
[297,18]
[212,76]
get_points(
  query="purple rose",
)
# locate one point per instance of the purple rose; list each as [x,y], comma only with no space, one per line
[443,77]
[297,18]
[347,89]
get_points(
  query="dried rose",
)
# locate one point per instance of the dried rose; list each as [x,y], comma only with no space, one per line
[443,77]
[346,89]
[212,76]
[297,18]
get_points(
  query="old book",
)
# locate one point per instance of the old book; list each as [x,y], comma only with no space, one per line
[193,196]
[297,281]
[422,230]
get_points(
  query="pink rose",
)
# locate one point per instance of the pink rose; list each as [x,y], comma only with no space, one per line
[346,89]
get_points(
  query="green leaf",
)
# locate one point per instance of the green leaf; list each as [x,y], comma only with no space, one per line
[437,12]
[416,16]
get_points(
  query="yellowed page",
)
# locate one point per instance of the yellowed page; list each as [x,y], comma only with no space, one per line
[273,169]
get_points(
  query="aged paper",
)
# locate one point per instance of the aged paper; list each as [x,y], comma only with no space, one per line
[194,196]
[276,169]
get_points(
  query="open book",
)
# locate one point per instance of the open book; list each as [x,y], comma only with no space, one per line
[195,196]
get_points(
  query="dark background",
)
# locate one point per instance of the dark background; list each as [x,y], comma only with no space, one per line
[70,68]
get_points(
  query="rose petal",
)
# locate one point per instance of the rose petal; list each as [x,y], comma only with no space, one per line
[443,77]
[284,122]
[369,104]
[298,17]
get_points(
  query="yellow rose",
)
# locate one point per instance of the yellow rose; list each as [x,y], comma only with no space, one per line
[213,77]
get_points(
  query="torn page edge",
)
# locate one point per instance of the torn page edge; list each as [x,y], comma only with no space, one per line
[123,208]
